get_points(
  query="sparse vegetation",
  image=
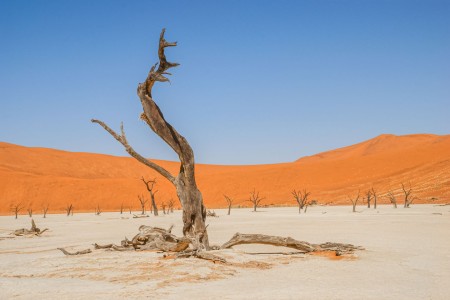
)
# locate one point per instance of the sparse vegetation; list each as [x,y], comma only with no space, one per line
[409,197]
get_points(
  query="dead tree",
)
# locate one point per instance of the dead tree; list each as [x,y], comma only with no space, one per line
[30,210]
[354,201]
[194,212]
[121,208]
[45,209]
[163,207]
[150,185]
[16,208]
[142,202]
[409,198]
[229,202]
[375,198]
[97,210]
[255,199]
[301,198]
[392,198]
[369,197]
[171,203]
[69,209]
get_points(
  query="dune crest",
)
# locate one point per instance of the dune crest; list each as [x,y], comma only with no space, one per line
[36,176]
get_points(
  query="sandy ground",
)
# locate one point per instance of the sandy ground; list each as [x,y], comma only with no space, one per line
[407,257]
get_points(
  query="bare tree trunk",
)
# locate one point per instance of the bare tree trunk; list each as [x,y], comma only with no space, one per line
[229,209]
[375,197]
[194,212]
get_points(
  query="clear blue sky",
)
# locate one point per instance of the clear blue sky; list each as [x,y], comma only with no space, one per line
[259,81]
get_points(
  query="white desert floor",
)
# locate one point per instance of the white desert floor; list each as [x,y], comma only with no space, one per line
[407,256]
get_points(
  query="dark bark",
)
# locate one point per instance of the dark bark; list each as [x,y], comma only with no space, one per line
[194,212]
[368,197]
[375,198]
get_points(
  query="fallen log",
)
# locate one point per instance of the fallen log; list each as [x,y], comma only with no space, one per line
[86,251]
[304,247]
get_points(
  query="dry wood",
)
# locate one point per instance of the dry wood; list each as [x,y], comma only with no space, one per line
[409,198]
[32,231]
[210,213]
[304,247]
[45,209]
[194,212]
[140,216]
[86,251]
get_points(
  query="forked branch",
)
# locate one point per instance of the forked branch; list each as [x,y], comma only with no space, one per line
[121,138]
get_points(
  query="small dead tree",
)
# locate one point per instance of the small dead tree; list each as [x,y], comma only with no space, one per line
[375,198]
[163,207]
[301,198]
[150,185]
[354,201]
[121,208]
[69,209]
[97,210]
[45,207]
[368,197]
[171,203]
[142,202]
[255,199]
[229,202]
[409,198]
[392,198]
[30,210]
[16,207]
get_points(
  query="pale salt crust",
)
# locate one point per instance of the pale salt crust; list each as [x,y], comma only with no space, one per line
[407,256]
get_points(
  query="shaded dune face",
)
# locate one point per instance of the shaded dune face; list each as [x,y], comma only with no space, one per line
[36,176]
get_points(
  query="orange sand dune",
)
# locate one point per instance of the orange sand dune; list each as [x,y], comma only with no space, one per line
[35,176]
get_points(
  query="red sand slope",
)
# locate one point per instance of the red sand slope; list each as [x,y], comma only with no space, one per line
[35,176]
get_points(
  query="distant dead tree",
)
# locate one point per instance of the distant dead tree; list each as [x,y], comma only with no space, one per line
[150,184]
[229,202]
[163,207]
[121,208]
[16,207]
[409,198]
[354,201]
[375,198]
[30,210]
[171,203]
[301,198]
[45,207]
[142,202]
[255,199]
[129,208]
[392,198]
[97,210]
[368,197]
[69,209]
